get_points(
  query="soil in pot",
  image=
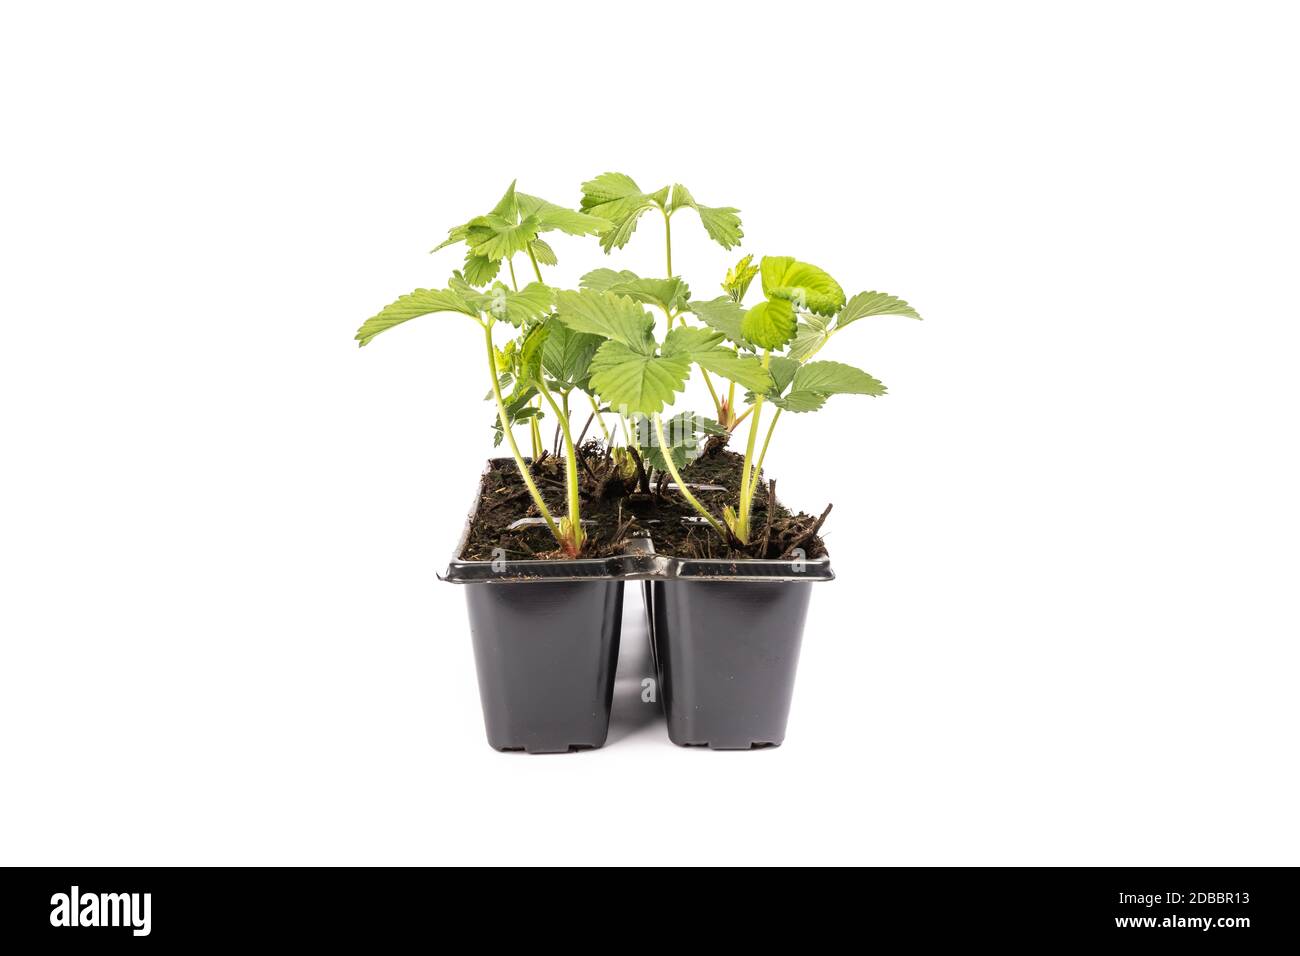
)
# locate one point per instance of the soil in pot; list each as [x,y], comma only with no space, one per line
[617,508]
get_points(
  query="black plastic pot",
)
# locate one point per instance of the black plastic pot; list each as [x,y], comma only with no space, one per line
[726,637]
[545,637]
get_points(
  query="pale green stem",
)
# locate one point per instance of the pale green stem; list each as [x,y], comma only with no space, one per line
[600,419]
[758,465]
[513,284]
[533,259]
[668,242]
[535,433]
[681,485]
[746,485]
[570,469]
[709,382]
[510,438]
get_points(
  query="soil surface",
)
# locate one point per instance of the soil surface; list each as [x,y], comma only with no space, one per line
[616,507]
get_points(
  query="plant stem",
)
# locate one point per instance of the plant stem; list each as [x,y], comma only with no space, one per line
[600,419]
[681,485]
[570,470]
[758,465]
[510,437]
[742,417]
[536,434]
[533,259]
[513,284]
[746,485]
[709,382]
[668,243]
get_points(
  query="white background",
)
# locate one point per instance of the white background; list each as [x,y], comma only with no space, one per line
[1065,624]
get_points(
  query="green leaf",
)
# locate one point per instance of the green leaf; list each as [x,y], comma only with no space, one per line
[722,315]
[517,410]
[769,324]
[783,371]
[637,381]
[617,198]
[527,305]
[686,433]
[608,315]
[801,401]
[480,270]
[745,370]
[739,276]
[688,340]
[721,222]
[603,280]
[508,206]
[812,334]
[454,235]
[544,253]
[530,355]
[807,286]
[836,378]
[567,357]
[703,346]
[550,216]
[495,237]
[873,303]
[606,188]
[418,303]
[667,294]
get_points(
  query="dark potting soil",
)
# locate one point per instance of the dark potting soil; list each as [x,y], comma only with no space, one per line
[617,508]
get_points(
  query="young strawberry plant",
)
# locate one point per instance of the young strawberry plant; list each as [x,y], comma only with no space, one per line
[617,198]
[543,360]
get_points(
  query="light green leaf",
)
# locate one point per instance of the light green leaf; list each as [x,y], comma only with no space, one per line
[812,334]
[873,303]
[783,371]
[508,206]
[704,347]
[686,434]
[769,324]
[739,276]
[745,370]
[721,222]
[608,315]
[454,235]
[606,188]
[480,270]
[801,400]
[836,378]
[617,197]
[544,253]
[603,280]
[527,305]
[550,216]
[568,354]
[667,294]
[807,286]
[418,303]
[530,355]
[636,381]
[688,340]
[722,315]
[495,237]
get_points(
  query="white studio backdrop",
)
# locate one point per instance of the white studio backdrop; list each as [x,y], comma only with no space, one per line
[1065,625]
